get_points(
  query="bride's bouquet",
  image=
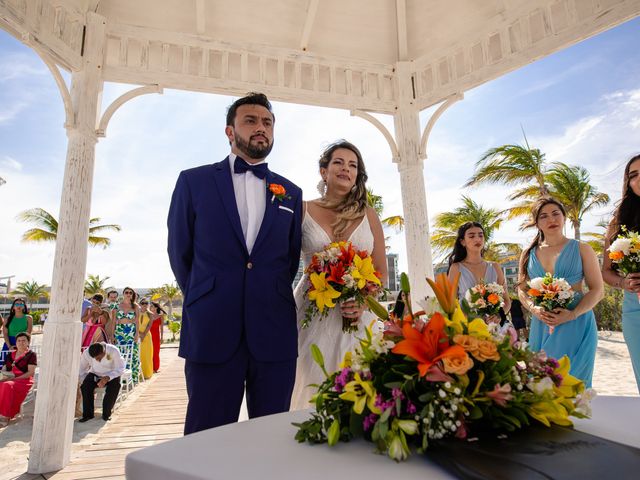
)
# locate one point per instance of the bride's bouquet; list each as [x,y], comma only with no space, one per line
[338,273]
[624,253]
[485,299]
[439,376]
[550,292]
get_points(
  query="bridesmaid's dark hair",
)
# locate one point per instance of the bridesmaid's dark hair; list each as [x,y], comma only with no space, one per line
[628,211]
[539,238]
[459,252]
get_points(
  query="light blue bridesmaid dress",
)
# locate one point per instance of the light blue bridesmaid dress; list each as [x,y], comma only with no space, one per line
[578,339]
[631,330]
[468,280]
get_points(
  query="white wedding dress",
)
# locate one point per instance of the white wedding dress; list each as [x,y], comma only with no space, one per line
[326,333]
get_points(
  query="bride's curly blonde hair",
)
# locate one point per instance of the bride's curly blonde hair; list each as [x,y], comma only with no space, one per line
[354,205]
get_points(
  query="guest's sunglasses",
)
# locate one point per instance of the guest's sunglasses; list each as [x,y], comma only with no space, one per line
[128,293]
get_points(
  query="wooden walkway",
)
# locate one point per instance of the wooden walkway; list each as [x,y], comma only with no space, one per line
[155,416]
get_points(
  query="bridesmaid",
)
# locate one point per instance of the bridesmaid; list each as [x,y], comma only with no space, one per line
[575,331]
[127,328]
[146,344]
[627,214]
[157,332]
[466,258]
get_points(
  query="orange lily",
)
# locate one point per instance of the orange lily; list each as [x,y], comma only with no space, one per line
[428,347]
[445,292]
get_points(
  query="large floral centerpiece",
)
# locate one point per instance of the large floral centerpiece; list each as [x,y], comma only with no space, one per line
[624,253]
[425,378]
[338,273]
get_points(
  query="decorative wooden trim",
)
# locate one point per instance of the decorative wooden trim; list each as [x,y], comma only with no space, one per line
[101,131]
[422,153]
[385,132]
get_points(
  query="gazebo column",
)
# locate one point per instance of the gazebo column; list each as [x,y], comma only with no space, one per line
[57,384]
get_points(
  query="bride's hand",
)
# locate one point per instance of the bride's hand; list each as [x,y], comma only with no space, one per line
[352,309]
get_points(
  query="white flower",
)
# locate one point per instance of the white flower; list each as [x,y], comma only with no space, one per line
[541,386]
[565,295]
[621,244]
[583,401]
[536,283]
[349,281]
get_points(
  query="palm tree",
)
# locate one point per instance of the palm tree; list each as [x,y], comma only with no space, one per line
[32,291]
[512,165]
[446,229]
[46,228]
[597,238]
[375,202]
[166,294]
[94,284]
[571,185]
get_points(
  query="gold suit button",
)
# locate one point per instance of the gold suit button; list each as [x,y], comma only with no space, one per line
[249,265]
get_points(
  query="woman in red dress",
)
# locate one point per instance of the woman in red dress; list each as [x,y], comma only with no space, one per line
[13,389]
[157,321]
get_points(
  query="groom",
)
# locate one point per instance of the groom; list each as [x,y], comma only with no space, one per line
[234,247]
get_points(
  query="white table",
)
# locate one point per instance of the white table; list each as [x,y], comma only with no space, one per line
[265,448]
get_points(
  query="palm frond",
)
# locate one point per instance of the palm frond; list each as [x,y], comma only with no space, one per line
[395,221]
[38,235]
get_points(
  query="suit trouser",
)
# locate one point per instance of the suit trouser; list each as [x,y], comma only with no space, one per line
[88,388]
[216,390]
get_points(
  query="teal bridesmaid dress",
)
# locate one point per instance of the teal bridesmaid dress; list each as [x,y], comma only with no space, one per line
[578,339]
[631,330]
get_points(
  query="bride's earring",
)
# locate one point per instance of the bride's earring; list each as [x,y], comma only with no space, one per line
[322,187]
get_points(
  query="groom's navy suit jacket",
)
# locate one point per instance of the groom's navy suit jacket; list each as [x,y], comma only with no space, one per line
[229,293]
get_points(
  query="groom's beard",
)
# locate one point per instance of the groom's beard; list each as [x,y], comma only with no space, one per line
[253,151]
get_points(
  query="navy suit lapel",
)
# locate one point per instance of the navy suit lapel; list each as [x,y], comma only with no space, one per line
[222,176]
[270,210]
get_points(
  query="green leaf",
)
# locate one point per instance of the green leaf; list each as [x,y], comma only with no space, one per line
[404,283]
[475,413]
[318,358]
[377,309]
[333,435]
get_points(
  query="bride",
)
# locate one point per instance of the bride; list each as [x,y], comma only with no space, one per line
[341,213]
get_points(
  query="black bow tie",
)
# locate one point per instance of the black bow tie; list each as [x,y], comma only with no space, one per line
[241,166]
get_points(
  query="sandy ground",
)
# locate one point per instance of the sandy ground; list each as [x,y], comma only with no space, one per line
[613,376]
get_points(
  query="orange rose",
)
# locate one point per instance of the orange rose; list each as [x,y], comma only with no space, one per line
[277,189]
[457,365]
[487,350]
[493,299]
[534,293]
[616,255]
[469,343]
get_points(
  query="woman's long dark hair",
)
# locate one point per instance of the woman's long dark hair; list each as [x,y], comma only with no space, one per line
[12,312]
[628,211]
[459,251]
[539,238]
[158,308]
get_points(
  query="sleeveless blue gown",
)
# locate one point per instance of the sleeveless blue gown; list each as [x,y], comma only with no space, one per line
[578,339]
[467,279]
[631,330]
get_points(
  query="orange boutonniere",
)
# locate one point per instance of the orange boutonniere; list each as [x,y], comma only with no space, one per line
[278,192]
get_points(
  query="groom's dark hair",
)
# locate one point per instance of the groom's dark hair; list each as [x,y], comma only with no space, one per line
[251,98]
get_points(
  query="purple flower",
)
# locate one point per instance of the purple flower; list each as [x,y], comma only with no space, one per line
[411,408]
[369,421]
[342,379]
[397,393]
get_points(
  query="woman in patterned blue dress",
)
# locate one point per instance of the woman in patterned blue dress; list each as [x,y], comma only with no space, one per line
[127,329]
[627,214]
[574,329]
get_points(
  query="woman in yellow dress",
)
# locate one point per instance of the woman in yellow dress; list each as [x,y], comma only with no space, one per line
[146,344]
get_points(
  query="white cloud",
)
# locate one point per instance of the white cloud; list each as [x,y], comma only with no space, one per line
[10,163]
[9,112]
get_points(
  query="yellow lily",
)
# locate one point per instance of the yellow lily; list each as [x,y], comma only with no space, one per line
[323,293]
[364,271]
[346,361]
[478,328]
[458,321]
[550,411]
[570,386]
[361,393]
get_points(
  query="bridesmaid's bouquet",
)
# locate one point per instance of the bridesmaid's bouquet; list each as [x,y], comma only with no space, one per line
[485,299]
[338,273]
[624,253]
[550,292]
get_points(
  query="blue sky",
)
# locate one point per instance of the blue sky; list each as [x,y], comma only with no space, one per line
[580,106]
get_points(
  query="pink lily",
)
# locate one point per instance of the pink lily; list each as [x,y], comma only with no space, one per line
[501,394]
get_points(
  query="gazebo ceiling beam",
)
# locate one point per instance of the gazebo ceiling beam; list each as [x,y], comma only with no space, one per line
[401,21]
[57,31]
[200,17]
[308,24]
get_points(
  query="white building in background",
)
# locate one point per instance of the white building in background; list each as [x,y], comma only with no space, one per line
[394,274]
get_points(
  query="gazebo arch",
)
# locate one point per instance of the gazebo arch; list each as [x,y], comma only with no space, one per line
[393,57]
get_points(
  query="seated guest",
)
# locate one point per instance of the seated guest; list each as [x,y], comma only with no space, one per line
[101,365]
[17,376]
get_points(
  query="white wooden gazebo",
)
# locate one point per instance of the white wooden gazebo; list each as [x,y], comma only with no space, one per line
[394,57]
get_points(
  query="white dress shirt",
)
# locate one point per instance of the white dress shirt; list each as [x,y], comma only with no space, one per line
[111,365]
[251,199]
